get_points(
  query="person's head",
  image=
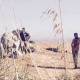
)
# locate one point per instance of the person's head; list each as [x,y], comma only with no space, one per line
[23,29]
[76,35]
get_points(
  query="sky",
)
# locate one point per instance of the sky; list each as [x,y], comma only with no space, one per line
[28,13]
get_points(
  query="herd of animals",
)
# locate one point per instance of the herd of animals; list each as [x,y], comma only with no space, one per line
[10,44]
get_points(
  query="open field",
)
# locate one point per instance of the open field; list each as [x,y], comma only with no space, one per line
[50,65]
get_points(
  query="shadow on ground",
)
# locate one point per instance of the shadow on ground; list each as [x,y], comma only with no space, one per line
[52,49]
[48,67]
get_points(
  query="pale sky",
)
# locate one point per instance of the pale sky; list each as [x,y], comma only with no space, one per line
[28,13]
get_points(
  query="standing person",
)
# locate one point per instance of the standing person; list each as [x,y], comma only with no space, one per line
[75,48]
[24,35]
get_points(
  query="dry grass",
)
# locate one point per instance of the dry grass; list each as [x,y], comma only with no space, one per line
[49,64]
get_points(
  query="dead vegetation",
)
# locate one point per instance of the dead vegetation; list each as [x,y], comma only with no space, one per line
[49,64]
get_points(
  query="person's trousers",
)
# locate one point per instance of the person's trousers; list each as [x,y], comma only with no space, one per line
[75,57]
[24,46]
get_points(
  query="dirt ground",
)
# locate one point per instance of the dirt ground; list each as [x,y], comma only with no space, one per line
[49,64]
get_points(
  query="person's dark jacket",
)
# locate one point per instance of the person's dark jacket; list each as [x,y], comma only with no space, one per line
[24,36]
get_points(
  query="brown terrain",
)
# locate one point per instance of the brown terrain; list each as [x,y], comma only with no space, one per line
[40,65]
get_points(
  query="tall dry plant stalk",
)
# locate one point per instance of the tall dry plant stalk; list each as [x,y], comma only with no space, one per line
[63,49]
[58,27]
[54,15]
[16,69]
[25,68]
[2,61]
[35,65]
[1,68]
